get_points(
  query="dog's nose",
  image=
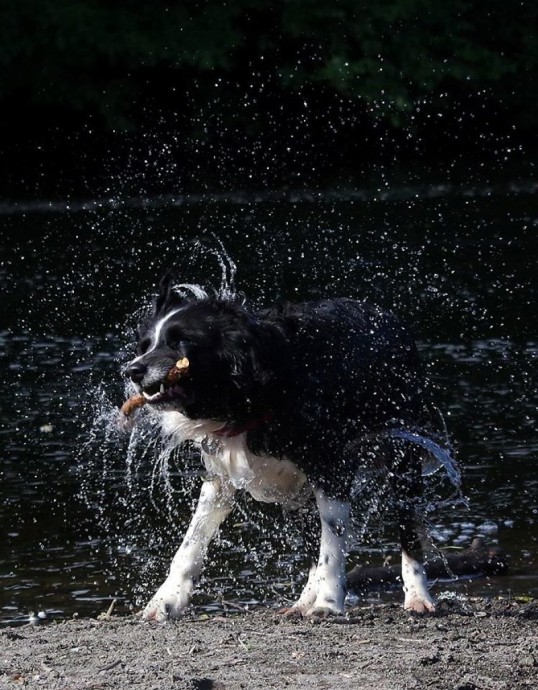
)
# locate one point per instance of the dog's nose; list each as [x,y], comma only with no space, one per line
[136,371]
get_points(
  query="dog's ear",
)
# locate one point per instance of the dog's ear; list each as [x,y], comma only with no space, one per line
[254,351]
[166,297]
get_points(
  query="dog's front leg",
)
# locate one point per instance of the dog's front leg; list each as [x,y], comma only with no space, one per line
[214,504]
[330,574]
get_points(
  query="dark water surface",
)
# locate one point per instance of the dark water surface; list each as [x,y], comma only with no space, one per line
[83,519]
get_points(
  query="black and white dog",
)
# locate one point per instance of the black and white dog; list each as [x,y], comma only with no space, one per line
[285,403]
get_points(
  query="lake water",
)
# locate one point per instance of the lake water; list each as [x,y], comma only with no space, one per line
[83,519]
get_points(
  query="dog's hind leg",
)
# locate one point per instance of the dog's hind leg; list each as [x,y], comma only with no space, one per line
[415,584]
[214,504]
[407,482]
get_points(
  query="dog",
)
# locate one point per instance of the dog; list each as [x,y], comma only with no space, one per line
[284,403]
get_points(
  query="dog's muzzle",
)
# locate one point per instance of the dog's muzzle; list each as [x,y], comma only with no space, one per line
[136,372]
[159,384]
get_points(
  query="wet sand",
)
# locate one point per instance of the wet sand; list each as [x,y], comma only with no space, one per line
[470,645]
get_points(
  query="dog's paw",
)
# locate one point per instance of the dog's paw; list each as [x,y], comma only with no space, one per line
[292,612]
[168,602]
[419,604]
[324,609]
[162,609]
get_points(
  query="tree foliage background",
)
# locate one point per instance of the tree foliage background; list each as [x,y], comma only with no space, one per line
[253,70]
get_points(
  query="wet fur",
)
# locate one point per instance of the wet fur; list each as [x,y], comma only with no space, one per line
[296,390]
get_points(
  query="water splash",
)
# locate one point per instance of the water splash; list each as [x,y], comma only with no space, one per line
[151,455]
[228,269]
[437,458]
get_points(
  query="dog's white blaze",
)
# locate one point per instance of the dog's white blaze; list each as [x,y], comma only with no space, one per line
[415,585]
[214,504]
[157,333]
[331,569]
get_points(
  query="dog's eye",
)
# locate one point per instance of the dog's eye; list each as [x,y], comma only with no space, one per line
[175,338]
[143,346]
[179,344]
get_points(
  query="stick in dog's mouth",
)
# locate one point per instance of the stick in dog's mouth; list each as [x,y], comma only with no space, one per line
[180,369]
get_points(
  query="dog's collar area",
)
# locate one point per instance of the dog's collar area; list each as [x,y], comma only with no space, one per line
[231,430]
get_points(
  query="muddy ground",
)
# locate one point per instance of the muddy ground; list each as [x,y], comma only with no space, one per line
[481,644]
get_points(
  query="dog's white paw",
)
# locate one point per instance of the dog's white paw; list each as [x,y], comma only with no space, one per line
[419,604]
[415,586]
[326,606]
[324,611]
[169,601]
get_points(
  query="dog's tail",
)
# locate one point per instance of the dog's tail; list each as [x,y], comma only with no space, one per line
[434,459]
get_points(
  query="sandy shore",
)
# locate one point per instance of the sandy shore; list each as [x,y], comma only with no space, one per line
[477,645]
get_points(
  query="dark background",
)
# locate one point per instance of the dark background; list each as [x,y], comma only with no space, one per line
[129,98]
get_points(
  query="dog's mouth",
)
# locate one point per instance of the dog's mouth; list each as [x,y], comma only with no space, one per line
[171,388]
[163,392]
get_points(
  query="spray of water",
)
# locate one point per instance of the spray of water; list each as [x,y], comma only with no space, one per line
[228,269]
[156,485]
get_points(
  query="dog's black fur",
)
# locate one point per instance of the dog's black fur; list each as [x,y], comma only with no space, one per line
[310,382]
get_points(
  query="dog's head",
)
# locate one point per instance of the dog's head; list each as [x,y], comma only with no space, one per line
[228,351]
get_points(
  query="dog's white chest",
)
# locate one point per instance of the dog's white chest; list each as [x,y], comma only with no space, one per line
[266,479]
